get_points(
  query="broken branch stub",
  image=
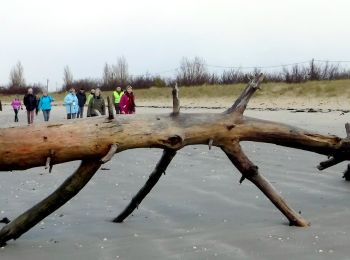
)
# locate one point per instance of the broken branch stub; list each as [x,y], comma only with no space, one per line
[49,163]
[347,128]
[110,109]
[112,150]
[176,100]
[242,101]
[339,156]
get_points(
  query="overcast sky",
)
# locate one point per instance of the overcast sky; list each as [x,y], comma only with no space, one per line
[154,35]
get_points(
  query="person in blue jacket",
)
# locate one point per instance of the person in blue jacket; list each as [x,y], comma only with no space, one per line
[71,103]
[45,104]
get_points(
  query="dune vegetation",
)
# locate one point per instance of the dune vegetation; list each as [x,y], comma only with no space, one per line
[310,89]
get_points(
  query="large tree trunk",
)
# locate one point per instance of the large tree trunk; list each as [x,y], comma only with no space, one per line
[97,139]
[91,138]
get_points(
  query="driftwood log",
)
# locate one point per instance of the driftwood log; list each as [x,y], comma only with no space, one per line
[94,141]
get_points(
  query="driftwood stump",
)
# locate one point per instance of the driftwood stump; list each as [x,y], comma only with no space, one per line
[94,141]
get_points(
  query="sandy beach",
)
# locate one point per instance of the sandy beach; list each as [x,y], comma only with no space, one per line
[198,210]
[321,104]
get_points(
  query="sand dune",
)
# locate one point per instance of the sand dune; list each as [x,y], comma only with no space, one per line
[261,102]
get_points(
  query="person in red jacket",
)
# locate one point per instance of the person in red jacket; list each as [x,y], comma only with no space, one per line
[127,102]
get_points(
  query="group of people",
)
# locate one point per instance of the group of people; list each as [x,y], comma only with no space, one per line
[124,103]
[33,105]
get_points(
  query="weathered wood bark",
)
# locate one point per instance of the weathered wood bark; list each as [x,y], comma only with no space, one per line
[250,172]
[337,157]
[65,192]
[176,101]
[92,137]
[110,108]
[99,138]
[113,149]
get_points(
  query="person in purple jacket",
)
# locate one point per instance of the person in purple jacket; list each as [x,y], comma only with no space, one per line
[16,105]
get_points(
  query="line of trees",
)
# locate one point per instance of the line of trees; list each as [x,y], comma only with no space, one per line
[194,72]
[191,72]
[113,75]
[17,84]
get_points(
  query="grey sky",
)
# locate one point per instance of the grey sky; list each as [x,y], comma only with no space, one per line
[154,35]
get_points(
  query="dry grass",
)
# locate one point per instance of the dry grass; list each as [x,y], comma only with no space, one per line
[311,89]
[321,89]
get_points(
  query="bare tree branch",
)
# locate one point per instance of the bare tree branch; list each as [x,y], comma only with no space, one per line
[250,171]
[160,168]
[241,103]
[59,197]
[176,100]
[67,76]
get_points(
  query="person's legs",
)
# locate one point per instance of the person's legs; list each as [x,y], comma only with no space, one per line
[81,112]
[74,115]
[16,115]
[117,108]
[31,116]
[46,114]
[69,116]
[28,117]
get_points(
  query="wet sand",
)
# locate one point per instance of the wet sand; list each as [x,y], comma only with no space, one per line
[197,211]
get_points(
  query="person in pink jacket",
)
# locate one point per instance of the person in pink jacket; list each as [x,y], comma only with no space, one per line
[16,105]
[127,102]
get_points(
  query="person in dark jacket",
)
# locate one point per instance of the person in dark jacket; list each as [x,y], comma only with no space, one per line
[30,103]
[81,102]
[96,105]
